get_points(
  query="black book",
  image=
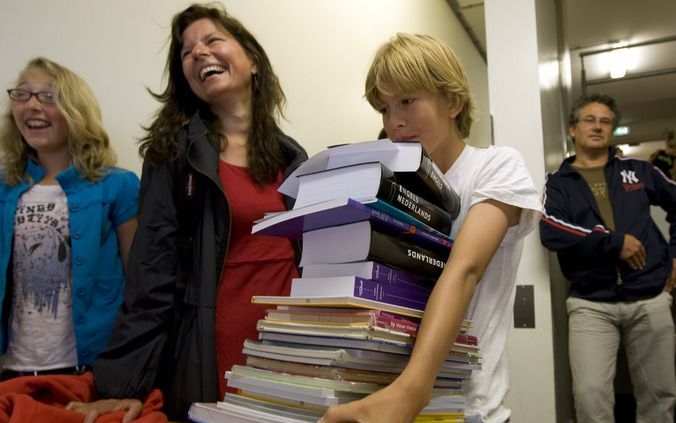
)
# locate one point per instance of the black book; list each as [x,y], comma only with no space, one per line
[371,180]
[361,241]
[425,178]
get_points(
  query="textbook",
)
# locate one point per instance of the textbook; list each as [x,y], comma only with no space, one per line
[352,375]
[343,317]
[238,408]
[292,223]
[308,339]
[255,409]
[367,270]
[348,358]
[412,166]
[368,180]
[420,286]
[362,241]
[325,356]
[464,342]
[228,412]
[327,301]
[426,178]
[393,293]
[346,331]
[300,380]
[274,407]
[326,372]
[281,391]
[333,341]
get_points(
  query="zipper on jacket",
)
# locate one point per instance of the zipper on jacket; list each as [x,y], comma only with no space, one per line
[227,243]
[619,281]
[220,188]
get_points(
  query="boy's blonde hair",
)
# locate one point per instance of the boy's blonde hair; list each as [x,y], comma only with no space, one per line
[88,142]
[410,62]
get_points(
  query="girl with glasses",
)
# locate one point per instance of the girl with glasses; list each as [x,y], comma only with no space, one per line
[68,219]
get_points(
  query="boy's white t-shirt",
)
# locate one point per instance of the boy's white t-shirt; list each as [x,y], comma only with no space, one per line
[497,173]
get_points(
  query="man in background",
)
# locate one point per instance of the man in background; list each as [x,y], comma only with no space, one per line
[597,219]
[665,159]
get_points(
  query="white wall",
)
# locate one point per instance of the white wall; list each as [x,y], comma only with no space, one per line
[320,49]
[523,79]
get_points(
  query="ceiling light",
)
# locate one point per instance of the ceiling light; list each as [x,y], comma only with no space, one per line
[621,130]
[617,62]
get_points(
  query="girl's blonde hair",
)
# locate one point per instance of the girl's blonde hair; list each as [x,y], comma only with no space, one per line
[420,62]
[88,143]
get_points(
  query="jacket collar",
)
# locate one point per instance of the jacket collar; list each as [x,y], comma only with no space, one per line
[566,167]
[68,178]
[35,171]
[201,150]
[293,153]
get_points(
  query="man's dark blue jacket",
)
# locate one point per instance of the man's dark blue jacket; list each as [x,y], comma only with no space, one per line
[588,251]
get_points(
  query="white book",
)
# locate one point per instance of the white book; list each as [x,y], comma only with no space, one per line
[286,389]
[299,380]
[342,331]
[318,397]
[365,241]
[332,341]
[328,301]
[312,391]
[344,357]
[201,412]
[384,151]
[303,413]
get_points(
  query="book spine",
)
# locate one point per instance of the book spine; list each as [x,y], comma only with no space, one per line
[397,324]
[389,294]
[431,183]
[415,234]
[390,275]
[415,291]
[414,205]
[406,256]
[467,339]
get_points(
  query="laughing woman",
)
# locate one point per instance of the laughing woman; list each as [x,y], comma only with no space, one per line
[213,160]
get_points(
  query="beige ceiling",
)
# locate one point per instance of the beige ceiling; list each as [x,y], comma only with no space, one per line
[647,94]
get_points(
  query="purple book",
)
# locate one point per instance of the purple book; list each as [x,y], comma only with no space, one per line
[378,272]
[354,286]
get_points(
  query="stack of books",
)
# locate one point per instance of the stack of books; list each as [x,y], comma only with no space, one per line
[372,247]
